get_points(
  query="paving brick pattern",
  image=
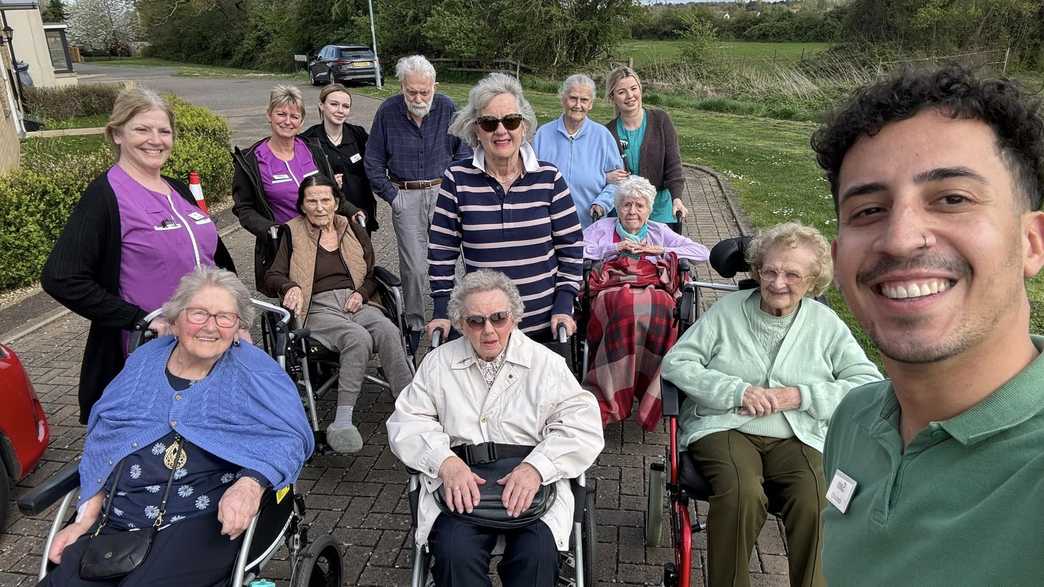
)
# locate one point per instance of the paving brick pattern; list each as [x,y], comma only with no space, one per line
[361,499]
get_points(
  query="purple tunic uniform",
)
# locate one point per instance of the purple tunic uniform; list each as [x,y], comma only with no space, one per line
[164,237]
[281,179]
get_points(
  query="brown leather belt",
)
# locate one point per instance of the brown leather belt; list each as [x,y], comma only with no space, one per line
[416,185]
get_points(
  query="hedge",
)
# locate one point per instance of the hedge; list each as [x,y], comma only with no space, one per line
[36,199]
[50,104]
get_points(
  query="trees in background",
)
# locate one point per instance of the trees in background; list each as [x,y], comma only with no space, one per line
[54,11]
[103,26]
[266,33]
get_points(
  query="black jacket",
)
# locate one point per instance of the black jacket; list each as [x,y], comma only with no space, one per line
[83,274]
[255,213]
[355,185]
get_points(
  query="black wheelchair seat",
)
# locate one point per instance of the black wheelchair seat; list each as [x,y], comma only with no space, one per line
[692,481]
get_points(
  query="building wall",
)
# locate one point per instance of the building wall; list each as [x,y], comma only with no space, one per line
[30,46]
[10,146]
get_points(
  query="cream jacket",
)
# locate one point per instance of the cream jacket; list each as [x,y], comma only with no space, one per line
[535,400]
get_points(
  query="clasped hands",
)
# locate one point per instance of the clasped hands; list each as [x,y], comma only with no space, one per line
[637,248]
[460,487]
[763,401]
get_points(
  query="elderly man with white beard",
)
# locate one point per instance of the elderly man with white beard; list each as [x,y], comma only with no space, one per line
[408,151]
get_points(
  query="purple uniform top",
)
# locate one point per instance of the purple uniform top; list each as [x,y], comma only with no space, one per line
[164,237]
[281,179]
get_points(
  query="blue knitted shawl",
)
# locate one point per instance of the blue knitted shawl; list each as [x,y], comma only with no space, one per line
[246,411]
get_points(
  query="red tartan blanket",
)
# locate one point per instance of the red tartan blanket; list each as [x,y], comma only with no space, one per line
[630,328]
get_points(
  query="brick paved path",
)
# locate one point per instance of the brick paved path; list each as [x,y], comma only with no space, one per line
[361,499]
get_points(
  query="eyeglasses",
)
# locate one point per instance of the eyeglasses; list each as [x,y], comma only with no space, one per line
[199,317]
[478,321]
[490,123]
[789,277]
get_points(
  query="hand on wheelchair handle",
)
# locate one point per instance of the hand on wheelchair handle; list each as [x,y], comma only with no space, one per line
[160,326]
[292,299]
[238,506]
[563,320]
[679,209]
[460,485]
[440,324]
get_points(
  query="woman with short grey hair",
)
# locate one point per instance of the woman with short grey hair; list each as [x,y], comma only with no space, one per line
[269,173]
[480,281]
[585,153]
[504,210]
[494,385]
[211,277]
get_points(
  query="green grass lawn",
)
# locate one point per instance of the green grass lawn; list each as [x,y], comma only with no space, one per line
[650,52]
[92,121]
[41,153]
[192,69]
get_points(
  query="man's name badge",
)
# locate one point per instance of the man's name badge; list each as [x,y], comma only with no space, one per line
[355,158]
[840,491]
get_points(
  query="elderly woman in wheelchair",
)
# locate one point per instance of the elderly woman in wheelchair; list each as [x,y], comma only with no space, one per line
[630,302]
[762,372]
[180,449]
[324,272]
[497,425]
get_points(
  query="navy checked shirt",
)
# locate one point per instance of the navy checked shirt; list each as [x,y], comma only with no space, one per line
[399,149]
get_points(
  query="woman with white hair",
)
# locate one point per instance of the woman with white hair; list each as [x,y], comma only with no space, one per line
[503,209]
[269,173]
[583,151]
[631,323]
[494,386]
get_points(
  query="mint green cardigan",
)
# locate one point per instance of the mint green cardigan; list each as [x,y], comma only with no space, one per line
[717,359]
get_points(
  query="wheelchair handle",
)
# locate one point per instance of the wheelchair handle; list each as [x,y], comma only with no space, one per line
[436,337]
[563,333]
[142,333]
[596,215]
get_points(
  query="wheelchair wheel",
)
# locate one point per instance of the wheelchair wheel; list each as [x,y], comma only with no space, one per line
[590,541]
[321,564]
[654,505]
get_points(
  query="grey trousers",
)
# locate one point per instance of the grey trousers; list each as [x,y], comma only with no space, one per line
[412,211]
[355,336]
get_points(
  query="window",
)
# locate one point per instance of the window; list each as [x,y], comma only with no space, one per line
[58,48]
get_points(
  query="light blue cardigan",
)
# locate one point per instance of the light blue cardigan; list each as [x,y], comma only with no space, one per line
[246,411]
[583,161]
[717,359]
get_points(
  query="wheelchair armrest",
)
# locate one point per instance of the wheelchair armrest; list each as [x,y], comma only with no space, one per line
[670,396]
[50,491]
[386,277]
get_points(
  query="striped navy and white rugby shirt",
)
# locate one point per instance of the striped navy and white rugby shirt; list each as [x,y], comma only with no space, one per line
[531,233]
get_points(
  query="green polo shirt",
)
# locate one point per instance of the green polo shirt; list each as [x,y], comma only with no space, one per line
[962,505]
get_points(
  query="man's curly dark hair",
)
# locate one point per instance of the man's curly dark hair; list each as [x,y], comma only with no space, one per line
[952,89]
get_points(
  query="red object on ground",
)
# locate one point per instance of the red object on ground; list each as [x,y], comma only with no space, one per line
[24,432]
[197,191]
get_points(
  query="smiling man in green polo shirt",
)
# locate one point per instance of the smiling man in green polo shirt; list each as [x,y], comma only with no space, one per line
[937,475]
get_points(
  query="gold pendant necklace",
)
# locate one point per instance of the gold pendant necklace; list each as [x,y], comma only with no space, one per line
[175,456]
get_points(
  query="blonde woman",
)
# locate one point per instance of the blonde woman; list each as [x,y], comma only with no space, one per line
[129,240]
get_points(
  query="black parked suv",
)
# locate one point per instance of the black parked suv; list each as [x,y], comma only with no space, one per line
[343,63]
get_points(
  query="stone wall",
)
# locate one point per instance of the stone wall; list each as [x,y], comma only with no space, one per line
[10,146]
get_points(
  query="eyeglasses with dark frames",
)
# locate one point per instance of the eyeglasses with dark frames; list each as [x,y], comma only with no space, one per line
[478,321]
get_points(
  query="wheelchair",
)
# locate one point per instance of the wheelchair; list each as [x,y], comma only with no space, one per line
[576,566]
[314,367]
[280,518]
[678,475]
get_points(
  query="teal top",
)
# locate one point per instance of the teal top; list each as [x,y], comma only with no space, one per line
[719,357]
[663,206]
[961,505]
[768,331]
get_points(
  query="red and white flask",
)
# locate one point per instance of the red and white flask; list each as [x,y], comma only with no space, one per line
[197,191]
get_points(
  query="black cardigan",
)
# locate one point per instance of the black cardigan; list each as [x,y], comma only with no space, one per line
[83,274]
[356,186]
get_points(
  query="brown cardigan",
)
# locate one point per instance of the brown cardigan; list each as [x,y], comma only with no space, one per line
[659,160]
[294,262]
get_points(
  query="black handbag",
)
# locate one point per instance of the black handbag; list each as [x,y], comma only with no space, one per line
[112,556]
[493,461]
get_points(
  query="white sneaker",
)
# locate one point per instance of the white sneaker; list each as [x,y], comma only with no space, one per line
[344,438]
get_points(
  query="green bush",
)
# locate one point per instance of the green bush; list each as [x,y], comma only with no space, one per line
[71,101]
[36,199]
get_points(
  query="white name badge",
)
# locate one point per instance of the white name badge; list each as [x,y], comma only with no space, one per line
[280,177]
[197,216]
[203,221]
[841,489]
[355,158]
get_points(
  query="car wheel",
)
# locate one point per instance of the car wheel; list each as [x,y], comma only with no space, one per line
[5,494]
[312,78]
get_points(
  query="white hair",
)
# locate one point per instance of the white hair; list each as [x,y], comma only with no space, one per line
[414,65]
[632,186]
[204,277]
[578,79]
[480,96]
[480,281]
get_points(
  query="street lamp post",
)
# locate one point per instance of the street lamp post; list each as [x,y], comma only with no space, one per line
[373,37]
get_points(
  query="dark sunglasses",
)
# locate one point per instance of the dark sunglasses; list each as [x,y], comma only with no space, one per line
[478,322]
[490,123]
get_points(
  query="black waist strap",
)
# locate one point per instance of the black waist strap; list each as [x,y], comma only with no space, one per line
[487,452]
